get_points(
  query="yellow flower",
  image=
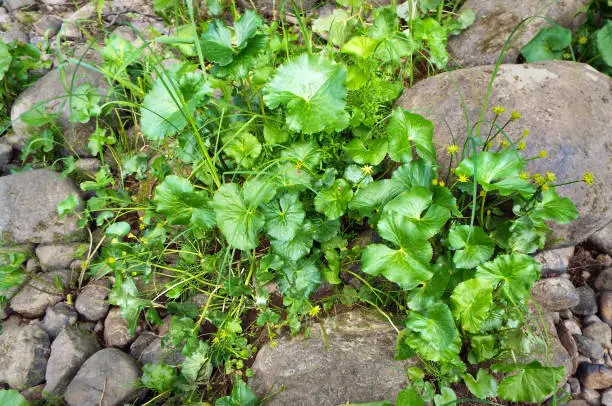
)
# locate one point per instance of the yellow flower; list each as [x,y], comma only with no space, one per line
[489,145]
[515,115]
[498,110]
[543,154]
[451,149]
[142,226]
[521,146]
[367,170]
[441,183]
[524,175]
[314,311]
[583,40]
[132,236]
[434,182]
[525,132]
[504,143]
[544,187]
[551,177]
[462,178]
[134,273]
[538,179]
[110,260]
[588,178]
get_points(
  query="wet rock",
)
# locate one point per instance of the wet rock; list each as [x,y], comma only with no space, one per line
[555,294]
[28,208]
[540,92]
[587,304]
[56,256]
[482,42]
[372,375]
[69,351]
[108,371]
[50,92]
[600,332]
[116,333]
[24,351]
[592,397]
[91,302]
[605,306]
[588,347]
[594,376]
[604,280]
[602,239]
[554,262]
[154,353]
[41,292]
[57,317]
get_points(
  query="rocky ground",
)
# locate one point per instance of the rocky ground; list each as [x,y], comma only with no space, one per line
[60,337]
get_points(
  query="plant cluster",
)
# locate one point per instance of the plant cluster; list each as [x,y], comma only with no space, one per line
[266,154]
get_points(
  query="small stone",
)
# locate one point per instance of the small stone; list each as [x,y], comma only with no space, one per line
[588,320]
[595,376]
[554,262]
[116,333]
[41,292]
[89,166]
[606,398]
[591,396]
[110,372]
[604,280]
[13,5]
[605,306]
[91,302]
[47,25]
[141,342]
[577,402]
[601,332]
[57,317]
[572,326]
[588,347]
[566,314]
[69,351]
[556,318]
[574,384]
[567,340]
[555,294]
[24,351]
[602,239]
[56,256]
[156,354]
[587,304]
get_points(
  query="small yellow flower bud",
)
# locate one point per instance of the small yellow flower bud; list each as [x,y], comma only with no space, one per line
[441,183]
[498,110]
[583,40]
[515,115]
[451,149]
[504,143]
[525,132]
[524,175]
[550,176]
[434,182]
[543,154]
[588,178]
[521,146]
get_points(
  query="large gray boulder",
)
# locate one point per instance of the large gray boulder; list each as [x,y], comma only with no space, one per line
[28,208]
[566,106]
[24,351]
[353,362]
[107,378]
[69,351]
[52,93]
[482,42]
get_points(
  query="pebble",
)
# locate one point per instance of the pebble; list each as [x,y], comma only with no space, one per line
[555,294]
[600,332]
[116,333]
[91,302]
[605,306]
[587,304]
[606,397]
[588,347]
[592,397]
[594,376]
[604,280]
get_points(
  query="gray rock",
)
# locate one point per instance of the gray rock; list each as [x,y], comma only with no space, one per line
[70,29]
[47,25]
[577,402]
[140,343]
[587,304]
[588,320]
[588,347]
[359,354]
[606,397]
[541,92]
[566,314]
[569,343]
[89,166]
[28,208]
[602,239]
[24,351]
[481,43]
[604,280]
[14,31]
[605,306]
[156,354]
[274,8]
[108,371]
[57,317]
[595,376]
[591,396]
[600,332]
[555,294]
[116,333]
[6,152]
[56,256]
[554,262]
[50,91]
[574,384]
[41,292]
[91,302]
[13,5]
[69,351]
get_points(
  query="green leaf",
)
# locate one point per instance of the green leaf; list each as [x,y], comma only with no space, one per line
[242,395]
[340,25]
[404,128]
[311,88]
[10,397]
[530,383]
[239,222]
[373,196]
[554,207]
[84,103]
[484,347]
[484,386]
[497,171]
[158,377]
[471,301]
[216,43]
[415,173]
[550,43]
[125,295]
[429,31]
[446,397]
[471,251]
[603,39]
[5,59]
[360,46]
[372,152]
[118,229]
[516,273]
[67,205]
[299,279]
[303,154]
[284,217]
[435,326]
[296,248]
[409,397]
[176,198]
[164,108]
[244,148]
[385,22]
[197,365]
[334,200]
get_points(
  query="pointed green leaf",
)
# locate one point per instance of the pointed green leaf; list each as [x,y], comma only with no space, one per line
[176,198]
[471,301]
[125,295]
[484,386]
[244,148]
[414,128]
[516,273]
[446,396]
[334,200]
[471,251]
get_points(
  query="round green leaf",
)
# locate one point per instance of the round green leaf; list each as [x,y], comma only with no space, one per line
[471,303]
[334,200]
[516,272]
[550,43]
